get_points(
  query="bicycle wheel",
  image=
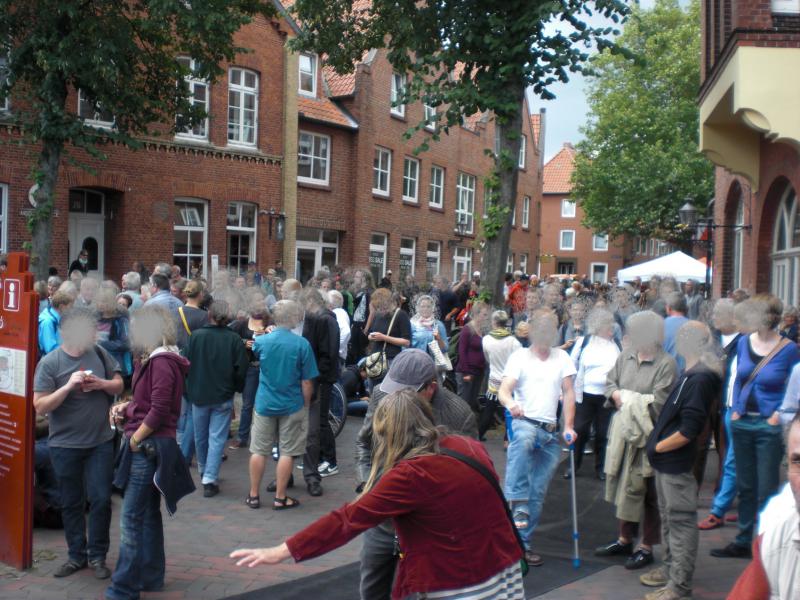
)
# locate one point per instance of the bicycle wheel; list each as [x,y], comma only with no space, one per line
[337,413]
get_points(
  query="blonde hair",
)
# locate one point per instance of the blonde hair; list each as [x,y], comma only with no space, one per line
[382,301]
[402,429]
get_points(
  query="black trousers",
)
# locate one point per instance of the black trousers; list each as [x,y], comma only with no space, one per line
[587,413]
[490,411]
[320,436]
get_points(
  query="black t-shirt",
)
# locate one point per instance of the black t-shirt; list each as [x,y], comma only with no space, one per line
[401,328]
[447,302]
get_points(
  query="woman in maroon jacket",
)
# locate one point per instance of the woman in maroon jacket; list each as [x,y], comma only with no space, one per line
[471,361]
[150,420]
[453,529]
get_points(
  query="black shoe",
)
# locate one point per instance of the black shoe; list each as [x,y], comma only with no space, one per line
[273,485]
[314,488]
[615,548]
[639,560]
[68,568]
[101,571]
[733,550]
[210,490]
[567,474]
[601,476]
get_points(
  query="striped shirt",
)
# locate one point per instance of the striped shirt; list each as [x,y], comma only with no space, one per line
[506,585]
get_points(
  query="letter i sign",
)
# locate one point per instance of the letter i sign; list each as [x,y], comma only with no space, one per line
[11,294]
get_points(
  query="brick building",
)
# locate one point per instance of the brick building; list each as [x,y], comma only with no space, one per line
[184,198]
[567,246]
[749,127]
[365,198]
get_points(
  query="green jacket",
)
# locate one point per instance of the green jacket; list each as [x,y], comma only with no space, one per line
[218,368]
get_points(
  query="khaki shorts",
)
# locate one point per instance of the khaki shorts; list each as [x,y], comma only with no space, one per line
[288,431]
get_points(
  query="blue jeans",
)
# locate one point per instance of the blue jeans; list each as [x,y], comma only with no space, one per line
[211,425]
[85,474]
[141,563]
[726,494]
[248,401]
[185,431]
[759,450]
[533,456]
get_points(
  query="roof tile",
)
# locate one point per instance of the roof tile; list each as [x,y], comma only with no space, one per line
[558,171]
[324,110]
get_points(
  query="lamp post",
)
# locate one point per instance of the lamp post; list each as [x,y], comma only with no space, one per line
[460,230]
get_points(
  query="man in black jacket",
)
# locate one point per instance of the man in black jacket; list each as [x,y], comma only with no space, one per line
[321,330]
[671,449]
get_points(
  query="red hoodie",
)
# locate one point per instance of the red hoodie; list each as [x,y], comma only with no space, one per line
[157,392]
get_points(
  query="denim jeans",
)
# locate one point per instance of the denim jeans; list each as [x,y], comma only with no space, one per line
[723,500]
[185,431]
[141,562]
[248,401]
[211,425]
[533,456]
[759,450]
[378,564]
[88,470]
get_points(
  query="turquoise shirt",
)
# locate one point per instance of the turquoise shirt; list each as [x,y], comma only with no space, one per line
[286,360]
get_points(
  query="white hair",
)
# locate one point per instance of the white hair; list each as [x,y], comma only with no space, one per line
[132,281]
[335,299]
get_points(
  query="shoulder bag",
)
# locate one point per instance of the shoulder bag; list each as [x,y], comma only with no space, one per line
[782,343]
[376,363]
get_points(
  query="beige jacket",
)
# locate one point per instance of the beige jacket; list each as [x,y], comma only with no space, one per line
[626,460]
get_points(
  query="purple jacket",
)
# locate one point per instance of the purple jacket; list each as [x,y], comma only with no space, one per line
[157,391]
[471,360]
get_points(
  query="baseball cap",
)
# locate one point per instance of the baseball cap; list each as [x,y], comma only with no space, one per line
[476,274]
[412,368]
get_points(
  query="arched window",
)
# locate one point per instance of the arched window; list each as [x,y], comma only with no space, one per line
[738,244]
[786,250]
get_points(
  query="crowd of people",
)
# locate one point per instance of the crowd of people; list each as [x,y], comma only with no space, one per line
[650,375]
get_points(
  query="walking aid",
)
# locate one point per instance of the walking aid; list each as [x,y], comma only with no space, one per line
[576,557]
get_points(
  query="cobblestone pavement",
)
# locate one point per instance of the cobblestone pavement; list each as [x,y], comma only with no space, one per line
[204,531]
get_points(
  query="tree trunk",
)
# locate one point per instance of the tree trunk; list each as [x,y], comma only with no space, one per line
[495,251]
[42,220]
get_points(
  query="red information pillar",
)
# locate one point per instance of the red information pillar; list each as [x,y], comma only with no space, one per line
[19,315]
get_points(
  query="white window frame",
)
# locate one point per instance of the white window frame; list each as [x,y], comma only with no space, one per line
[312,93]
[598,264]
[242,90]
[380,248]
[313,157]
[96,120]
[526,212]
[433,254]
[523,262]
[379,168]
[510,263]
[595,238]
[398,89]
[188,228]
[785,7]
[514,215]
[410,184]
[194,83]
[5,105]
[522,154]
[436,188]
[431,120]
[411,252]
[561,245]
[465,200]
[3,217]
[462,256]
[242,229]
[568,209]
[738,245]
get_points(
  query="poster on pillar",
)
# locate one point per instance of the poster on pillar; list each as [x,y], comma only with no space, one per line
[18,343]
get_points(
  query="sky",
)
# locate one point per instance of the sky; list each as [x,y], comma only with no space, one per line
[567,113]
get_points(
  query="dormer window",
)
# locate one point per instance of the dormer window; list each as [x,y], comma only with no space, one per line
[308,74]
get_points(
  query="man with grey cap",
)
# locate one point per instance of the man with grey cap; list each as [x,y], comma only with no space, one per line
[413,369]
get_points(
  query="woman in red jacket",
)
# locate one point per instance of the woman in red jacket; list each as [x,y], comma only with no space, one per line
[439,507]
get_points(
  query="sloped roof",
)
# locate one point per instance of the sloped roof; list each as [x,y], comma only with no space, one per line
[325,111]
[339,85]
[536,126]
[558,171]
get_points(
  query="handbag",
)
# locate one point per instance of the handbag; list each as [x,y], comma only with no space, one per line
[440,358]
[487,474]
[377,364]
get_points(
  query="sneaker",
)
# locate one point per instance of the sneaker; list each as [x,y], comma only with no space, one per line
[328,470]
[533,559]
[300,466]
[732,550]
[323,466]
[275,455]
[236,445]
[210,490]
[666,593]
[101,571]
[712,521]
[68,568]
[655,578]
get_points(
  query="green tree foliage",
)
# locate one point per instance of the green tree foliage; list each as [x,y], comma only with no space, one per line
[465,57]
[639,162]
[122,56]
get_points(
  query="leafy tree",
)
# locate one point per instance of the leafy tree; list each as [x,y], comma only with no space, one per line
[465,57]
[639,161]
[122,58]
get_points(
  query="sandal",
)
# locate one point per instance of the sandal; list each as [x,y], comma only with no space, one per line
[253,501]
[285,503]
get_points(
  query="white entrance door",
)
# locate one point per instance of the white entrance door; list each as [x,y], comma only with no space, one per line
[88,231]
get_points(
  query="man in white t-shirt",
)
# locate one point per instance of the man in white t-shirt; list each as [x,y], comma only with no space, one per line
[534,380]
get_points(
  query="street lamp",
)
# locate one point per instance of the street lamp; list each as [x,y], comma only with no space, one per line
[687,214]
[460,230]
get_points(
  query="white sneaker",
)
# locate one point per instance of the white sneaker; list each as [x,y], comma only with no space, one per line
[329,470]
[323,466]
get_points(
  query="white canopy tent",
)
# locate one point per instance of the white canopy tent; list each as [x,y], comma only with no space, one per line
[678,265]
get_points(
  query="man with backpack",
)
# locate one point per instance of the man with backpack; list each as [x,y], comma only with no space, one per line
[75,385]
